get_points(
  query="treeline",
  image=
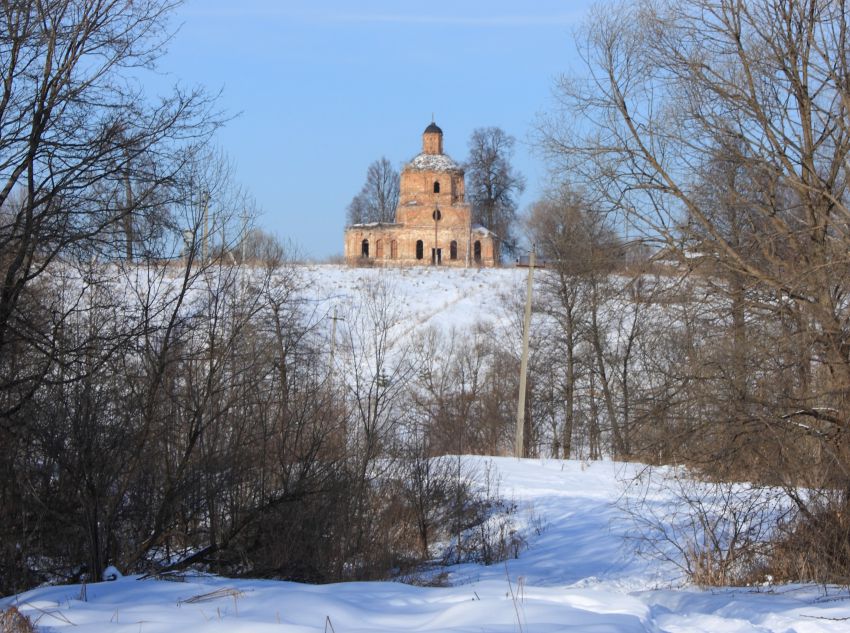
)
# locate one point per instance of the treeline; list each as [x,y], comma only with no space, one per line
[199,414]
[717,132]
[159,404]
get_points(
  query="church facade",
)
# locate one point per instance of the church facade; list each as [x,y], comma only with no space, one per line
[433,224]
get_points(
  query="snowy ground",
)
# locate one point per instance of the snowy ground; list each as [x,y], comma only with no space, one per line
[578,574]
[422,296]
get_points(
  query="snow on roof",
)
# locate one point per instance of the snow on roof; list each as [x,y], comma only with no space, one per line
[370,225]
[433,162]
[477,228]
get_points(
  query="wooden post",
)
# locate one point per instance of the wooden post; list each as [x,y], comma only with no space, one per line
[333,341]
[205,200]
[519,449]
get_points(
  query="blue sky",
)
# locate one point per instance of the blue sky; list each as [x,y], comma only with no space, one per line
[321,89]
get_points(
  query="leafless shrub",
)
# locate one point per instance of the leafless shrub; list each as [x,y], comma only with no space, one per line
[715,533]
[486,531]
[813,545]
[427,578]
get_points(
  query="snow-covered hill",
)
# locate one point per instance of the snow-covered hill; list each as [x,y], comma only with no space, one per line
[577,574]
[423,297]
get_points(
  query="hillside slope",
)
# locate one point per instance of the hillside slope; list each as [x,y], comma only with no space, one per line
[425,296]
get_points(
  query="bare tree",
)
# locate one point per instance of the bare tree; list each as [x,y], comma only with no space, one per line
[673,90]
[464,390]
[493,184]
[73,127]
[582,252]
[378,199]
[762,83]
[558,228]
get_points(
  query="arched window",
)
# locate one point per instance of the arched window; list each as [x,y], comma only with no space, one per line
[364,248]
[379,249]
[476,251]
[436,186]
[393,249]
[419,249]
[453,250]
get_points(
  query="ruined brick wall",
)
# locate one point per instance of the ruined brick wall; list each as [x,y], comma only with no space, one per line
[379,245]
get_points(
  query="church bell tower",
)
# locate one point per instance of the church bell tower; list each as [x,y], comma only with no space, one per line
[432,140]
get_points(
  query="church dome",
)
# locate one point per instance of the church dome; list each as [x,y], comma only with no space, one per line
[433,162]
[433,129]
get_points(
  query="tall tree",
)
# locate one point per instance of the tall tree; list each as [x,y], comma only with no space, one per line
[582,252]
[77,144]
[559,227]
[378,199]
[493,184]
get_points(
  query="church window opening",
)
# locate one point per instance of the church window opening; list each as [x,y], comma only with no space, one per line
[436,186]
[476,251]
[393,249]
[364,248]
[379,249]
[420,248]
[453,250]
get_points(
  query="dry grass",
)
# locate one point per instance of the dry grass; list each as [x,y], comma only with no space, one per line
[708,568]
[213,595]
[13,621]
[814,547]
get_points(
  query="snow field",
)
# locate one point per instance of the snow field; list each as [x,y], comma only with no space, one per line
[578,574]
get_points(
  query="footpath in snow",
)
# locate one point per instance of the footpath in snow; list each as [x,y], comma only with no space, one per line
[578,573]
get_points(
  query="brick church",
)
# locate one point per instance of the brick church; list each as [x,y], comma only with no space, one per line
[433,225]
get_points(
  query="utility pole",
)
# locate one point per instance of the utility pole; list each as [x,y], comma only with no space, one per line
[205,200]
[334,319]
[244,236]
[337,403]
[519,449]
[331,372]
